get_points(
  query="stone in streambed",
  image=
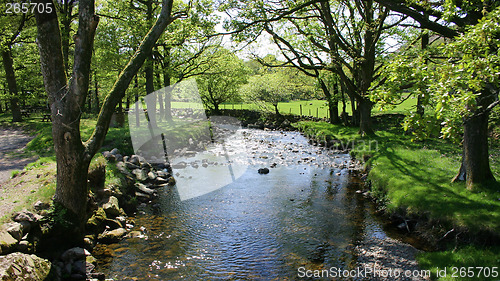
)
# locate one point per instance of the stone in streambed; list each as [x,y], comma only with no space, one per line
[144,189]
[7,242]
[26,216]
[140,174]
[112,207]
[18,266]
[263,171]
[73,254]
[112,236]
[18,229]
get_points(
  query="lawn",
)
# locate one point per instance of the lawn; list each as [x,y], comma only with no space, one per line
[413,179]
[318,108]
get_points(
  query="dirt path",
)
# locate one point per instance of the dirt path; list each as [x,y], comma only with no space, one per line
[12,143]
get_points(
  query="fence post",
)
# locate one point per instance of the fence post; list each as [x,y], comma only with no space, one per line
[301,110]
[317,112]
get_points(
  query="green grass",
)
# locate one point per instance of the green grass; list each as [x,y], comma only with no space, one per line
[319,108]
[469,259]
[414,178]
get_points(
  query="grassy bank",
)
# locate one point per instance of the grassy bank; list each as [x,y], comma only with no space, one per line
[412,179]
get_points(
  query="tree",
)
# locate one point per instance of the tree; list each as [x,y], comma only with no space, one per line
[269,88]
[221,83]
[13,25]
[348,33]
[474,84]
[67,97]
[464,84]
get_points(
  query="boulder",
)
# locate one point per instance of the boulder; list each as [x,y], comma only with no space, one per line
[131,166]
[144,189]
[23,246]
[7,242]
[160,180]
[171,181]
[122,167]
[73,254]
[180,165]
[112,236]
[95,222]
[25,216]
[110,157]
[112,224]
[263,171]
[18,229]
[19,267]
[151,176]
[134,159]
[112,207]
[119,157]
[140,174]
[163,174]
[142,197]
[115,151]
[39,205]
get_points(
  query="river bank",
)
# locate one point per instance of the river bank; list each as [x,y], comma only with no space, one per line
[411,183]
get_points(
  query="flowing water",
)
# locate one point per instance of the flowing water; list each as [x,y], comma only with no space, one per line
[304,213]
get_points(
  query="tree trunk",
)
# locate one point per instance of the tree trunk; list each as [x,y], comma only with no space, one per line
[333,105]
[66,100]
[475,168]
[160,96]
[355,112]
[67,17]
[136,109]
[96,94]
[365,123]
[276,110]
[12,84]
[166,83]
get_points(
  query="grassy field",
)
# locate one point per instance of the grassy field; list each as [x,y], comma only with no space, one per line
[413,179]
[318,108]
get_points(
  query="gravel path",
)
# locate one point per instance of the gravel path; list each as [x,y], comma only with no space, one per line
[12,142]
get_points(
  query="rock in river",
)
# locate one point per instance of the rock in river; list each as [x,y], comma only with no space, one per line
[18,266]
[263,171]
[112,236]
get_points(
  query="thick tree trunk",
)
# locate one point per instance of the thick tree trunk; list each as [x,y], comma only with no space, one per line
[150,102]
[333,105]
[365,123]
[66,100]
[12,84]
[355,112]
[475,168]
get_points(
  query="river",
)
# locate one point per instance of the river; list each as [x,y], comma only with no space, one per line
[304,215]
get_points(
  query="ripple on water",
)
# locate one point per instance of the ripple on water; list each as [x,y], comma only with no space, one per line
[258,227]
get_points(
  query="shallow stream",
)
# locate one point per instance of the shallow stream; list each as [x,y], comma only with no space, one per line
[305,213]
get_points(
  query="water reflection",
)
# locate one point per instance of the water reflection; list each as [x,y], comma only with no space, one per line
[259,227]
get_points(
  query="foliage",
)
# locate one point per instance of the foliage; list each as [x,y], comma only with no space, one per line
[414,177]
[473,67]
[222,81]
[268,88]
